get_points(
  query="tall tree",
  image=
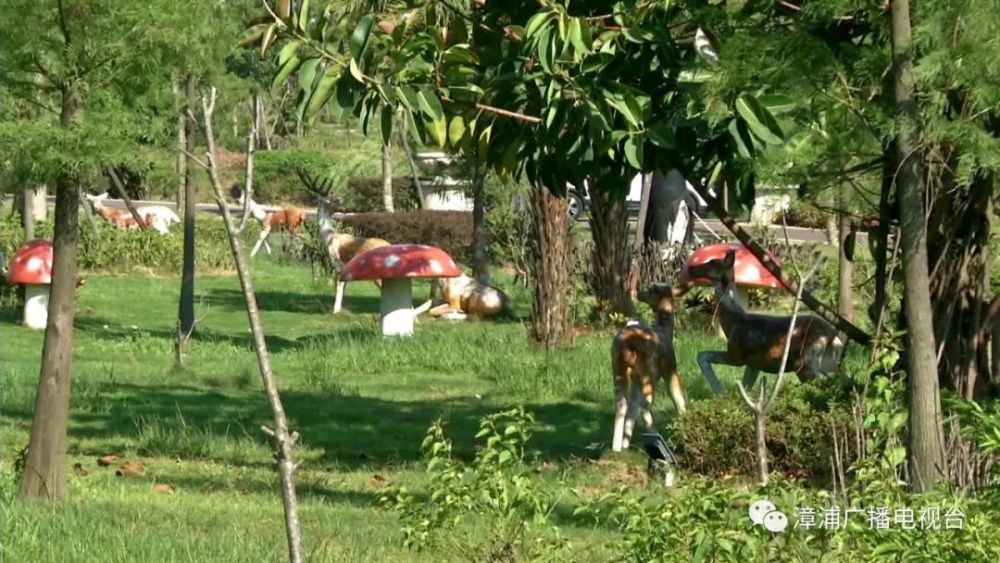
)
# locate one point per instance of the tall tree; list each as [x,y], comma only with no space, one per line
[58,54]
[185,306]
[926,439]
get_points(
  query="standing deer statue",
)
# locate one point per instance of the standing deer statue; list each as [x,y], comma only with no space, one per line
[640,356]
[288,219]
[757,341]
[340,246]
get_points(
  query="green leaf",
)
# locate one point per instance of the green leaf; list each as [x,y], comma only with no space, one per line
[304,15]
[386,125]
[545,49]
[345,92]
[356,71]
[430,104]
[409,97]
[268,38]
[307,73]
[662,135]
[506,456]
[456,129]
[286,70]
[535,23]
[320,95]
[777,104]
[484,142]
[761,122]
[740,135]
[624,109]
[359,39]
[633,151]
[288,51]
[581,39]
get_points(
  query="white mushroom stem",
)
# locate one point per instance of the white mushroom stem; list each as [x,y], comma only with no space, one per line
[36,305]
[743,298]
[397,307]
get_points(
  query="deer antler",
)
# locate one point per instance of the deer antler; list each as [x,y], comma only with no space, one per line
[321,188]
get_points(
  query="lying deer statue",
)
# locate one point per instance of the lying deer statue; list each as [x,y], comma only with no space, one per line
[159,217]
[464,296]
[640,356]
[758,341]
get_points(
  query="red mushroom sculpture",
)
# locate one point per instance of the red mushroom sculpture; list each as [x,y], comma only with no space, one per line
[396,265]
[747,270]
[31,266]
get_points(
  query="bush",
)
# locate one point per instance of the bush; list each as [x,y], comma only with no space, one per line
[717,437]
[365,195]
[450,231]
[112,250]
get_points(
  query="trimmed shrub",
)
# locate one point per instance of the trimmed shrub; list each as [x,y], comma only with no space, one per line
[119,251]
[717,437]
[364,195]
[450,231]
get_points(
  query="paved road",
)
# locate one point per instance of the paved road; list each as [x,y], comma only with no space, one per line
[704,229]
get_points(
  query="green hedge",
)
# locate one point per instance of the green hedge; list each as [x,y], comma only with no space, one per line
[450,231]
[112,250]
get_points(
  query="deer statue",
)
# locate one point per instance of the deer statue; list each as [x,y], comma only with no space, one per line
[159,217]
[287,219]
[340,246]
[464,296]
[757,341]
[640,356]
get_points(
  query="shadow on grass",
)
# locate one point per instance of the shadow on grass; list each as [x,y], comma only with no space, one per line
[290,302]
[95,327]
[351,431]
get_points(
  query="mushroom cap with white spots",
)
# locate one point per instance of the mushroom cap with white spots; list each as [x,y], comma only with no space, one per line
[400,261]
[747,270]
[32,263]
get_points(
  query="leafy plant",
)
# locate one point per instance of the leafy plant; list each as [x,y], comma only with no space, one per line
[496,492]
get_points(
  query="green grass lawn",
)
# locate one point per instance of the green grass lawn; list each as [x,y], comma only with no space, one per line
[361,404]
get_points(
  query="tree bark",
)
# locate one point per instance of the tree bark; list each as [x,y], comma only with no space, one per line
[480,237]
[925,432]
[845,282]
[44,474]
[185,309]
[610,254]
[283,437]
[28,213]
[387,177]
[181,164]
[551,264]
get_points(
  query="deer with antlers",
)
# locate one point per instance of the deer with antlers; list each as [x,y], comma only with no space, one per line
[640,356]
[340,246]
[757,341]
[288,219]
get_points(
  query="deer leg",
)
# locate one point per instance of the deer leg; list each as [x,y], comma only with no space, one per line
[338,298]
[646,401]
[621,407]
[750,377]
[632,414]
[262,239]
[705,361]
[677,392]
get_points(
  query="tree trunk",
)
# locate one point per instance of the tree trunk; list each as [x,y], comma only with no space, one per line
[181,164]
[44,474]
[480,237]
[610,254]
[925,432]
[402,132]
[845,282]
[387,177]
[551,264]
[185,313]
[28,213]
[639,240]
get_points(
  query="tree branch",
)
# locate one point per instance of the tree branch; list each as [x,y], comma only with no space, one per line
[125,198]
[63,24]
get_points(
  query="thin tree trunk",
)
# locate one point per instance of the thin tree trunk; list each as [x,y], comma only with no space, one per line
[283,437]
[551,265]
[402,132]
[185,313]
[28,213]
[480,259]
[925,432]
[181,163]
[262,120]
[845,282]
[640,229]
[879,240]
[387,177]
[44,474]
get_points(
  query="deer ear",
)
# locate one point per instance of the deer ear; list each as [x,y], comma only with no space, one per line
[730,259]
